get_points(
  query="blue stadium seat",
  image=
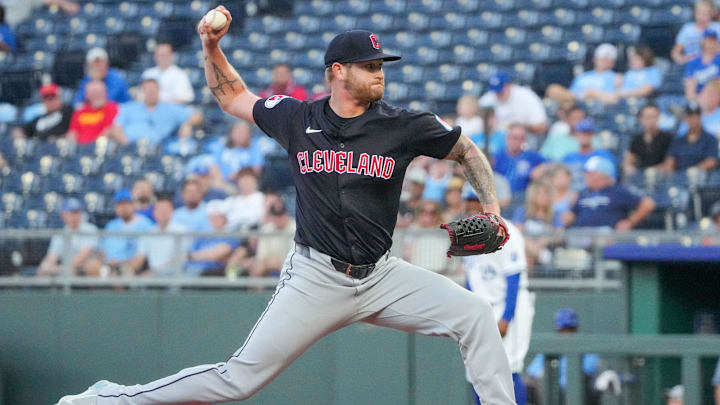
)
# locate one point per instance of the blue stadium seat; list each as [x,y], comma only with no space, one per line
[421,22]
[472,37]
[626,33]
[636,15]
[533,4]
[675,16]
[129,10]
[558,16]
[396,7]
[315,7]
[499,5]
[429,6]
[195,9]
[490,20]
[352,7]
[522,19]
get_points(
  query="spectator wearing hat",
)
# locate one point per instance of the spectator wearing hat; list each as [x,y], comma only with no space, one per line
[158,250]
[709,102]
[193,214]
[560,141]
[95,118]
[78,248]
[209,255]
[55,122]
[675,395]
[240,151]
[97,67]
[704,68]
[7,37]
[566,322]
[175,86]
[143,196]
[118,251]
[688,40]
[515,104]
[453,199]
[152,120]
[648,148]
[604,204]
[276,234]
[584,133]
[696,148]
[600,83]
[643,78]
[519,166]
[246,209]
[281,83]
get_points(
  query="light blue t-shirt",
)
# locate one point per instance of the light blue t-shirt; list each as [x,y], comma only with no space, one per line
[590,362]
[124,247]
[197,267]
[497,141]
[636,78]
[192,220]
[435,188]
[154,125]
[604,81]
[576,162]
[702,72]
[231,160]
[690,37]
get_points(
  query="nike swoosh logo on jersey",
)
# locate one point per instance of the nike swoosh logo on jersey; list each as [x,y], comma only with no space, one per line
[309,130]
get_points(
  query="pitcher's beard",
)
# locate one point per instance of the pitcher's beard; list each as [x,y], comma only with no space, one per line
[364,92]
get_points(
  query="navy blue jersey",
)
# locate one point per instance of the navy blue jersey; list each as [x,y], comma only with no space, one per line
[348,173]
[604,207]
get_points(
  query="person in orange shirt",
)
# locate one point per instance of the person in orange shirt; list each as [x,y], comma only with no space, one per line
[95,118]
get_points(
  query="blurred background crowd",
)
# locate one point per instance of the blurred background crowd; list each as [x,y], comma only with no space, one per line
[595,117]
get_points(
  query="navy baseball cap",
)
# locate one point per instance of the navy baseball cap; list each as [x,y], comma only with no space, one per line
[122,196]
[566,318]
[355,46]
[72,204]
[708,33]
[586,125]
[498,81]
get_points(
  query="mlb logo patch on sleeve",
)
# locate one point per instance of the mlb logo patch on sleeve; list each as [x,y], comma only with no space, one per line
[274,100]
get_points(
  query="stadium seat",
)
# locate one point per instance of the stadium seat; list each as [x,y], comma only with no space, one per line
[522,19]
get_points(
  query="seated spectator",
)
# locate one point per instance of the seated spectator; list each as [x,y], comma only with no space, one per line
[706,67]
[152,120]
[599,84]
[643,78]
[245,209]
[175,86]
[536,217]
[650,146]
[118,251]
[143,197]
[422,246]
[585,132]
[239,152]
[95,118]
[436,182]
[687,41]
[275,240]
[468,115]
[79,248]
[696,148]
[413,190]
[97,68]
[604,204]
[515,104]
[563,197]
[453,199]
[710,105]
[200,173]
[209,255]
[497,135]
[55,122]
[193,214]
[281,83]
[8,43]
[159,251]
[517,165]
[560,141]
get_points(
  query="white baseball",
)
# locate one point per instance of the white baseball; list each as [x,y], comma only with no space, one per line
[215,19]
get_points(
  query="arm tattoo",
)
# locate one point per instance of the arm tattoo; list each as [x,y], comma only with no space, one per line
[478,171]
[223,80]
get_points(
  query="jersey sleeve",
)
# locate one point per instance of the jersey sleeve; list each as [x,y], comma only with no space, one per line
[431,136]
[274,115]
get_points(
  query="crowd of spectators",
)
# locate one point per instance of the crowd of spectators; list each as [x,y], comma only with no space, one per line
[552,169]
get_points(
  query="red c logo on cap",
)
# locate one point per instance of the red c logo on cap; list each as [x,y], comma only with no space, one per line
[375,41]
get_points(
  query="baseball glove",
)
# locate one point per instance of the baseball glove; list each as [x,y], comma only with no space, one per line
[478,234]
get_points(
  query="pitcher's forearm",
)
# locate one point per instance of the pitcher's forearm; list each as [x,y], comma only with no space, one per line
[223,80]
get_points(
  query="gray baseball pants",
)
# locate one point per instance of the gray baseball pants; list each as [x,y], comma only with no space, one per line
[312,300]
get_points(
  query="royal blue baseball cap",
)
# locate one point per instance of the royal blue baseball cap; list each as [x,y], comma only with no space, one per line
[600,164]
[708,33]
[586,125]
[566,318]
[72,204]
[497,82]
[122,195]
[355,46]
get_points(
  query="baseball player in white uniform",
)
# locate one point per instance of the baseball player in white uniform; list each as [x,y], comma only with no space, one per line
[501,278]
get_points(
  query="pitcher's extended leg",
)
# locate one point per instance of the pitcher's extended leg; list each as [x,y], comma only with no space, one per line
[412,299]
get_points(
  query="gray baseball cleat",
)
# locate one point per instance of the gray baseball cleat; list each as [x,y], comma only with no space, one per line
[88,397]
